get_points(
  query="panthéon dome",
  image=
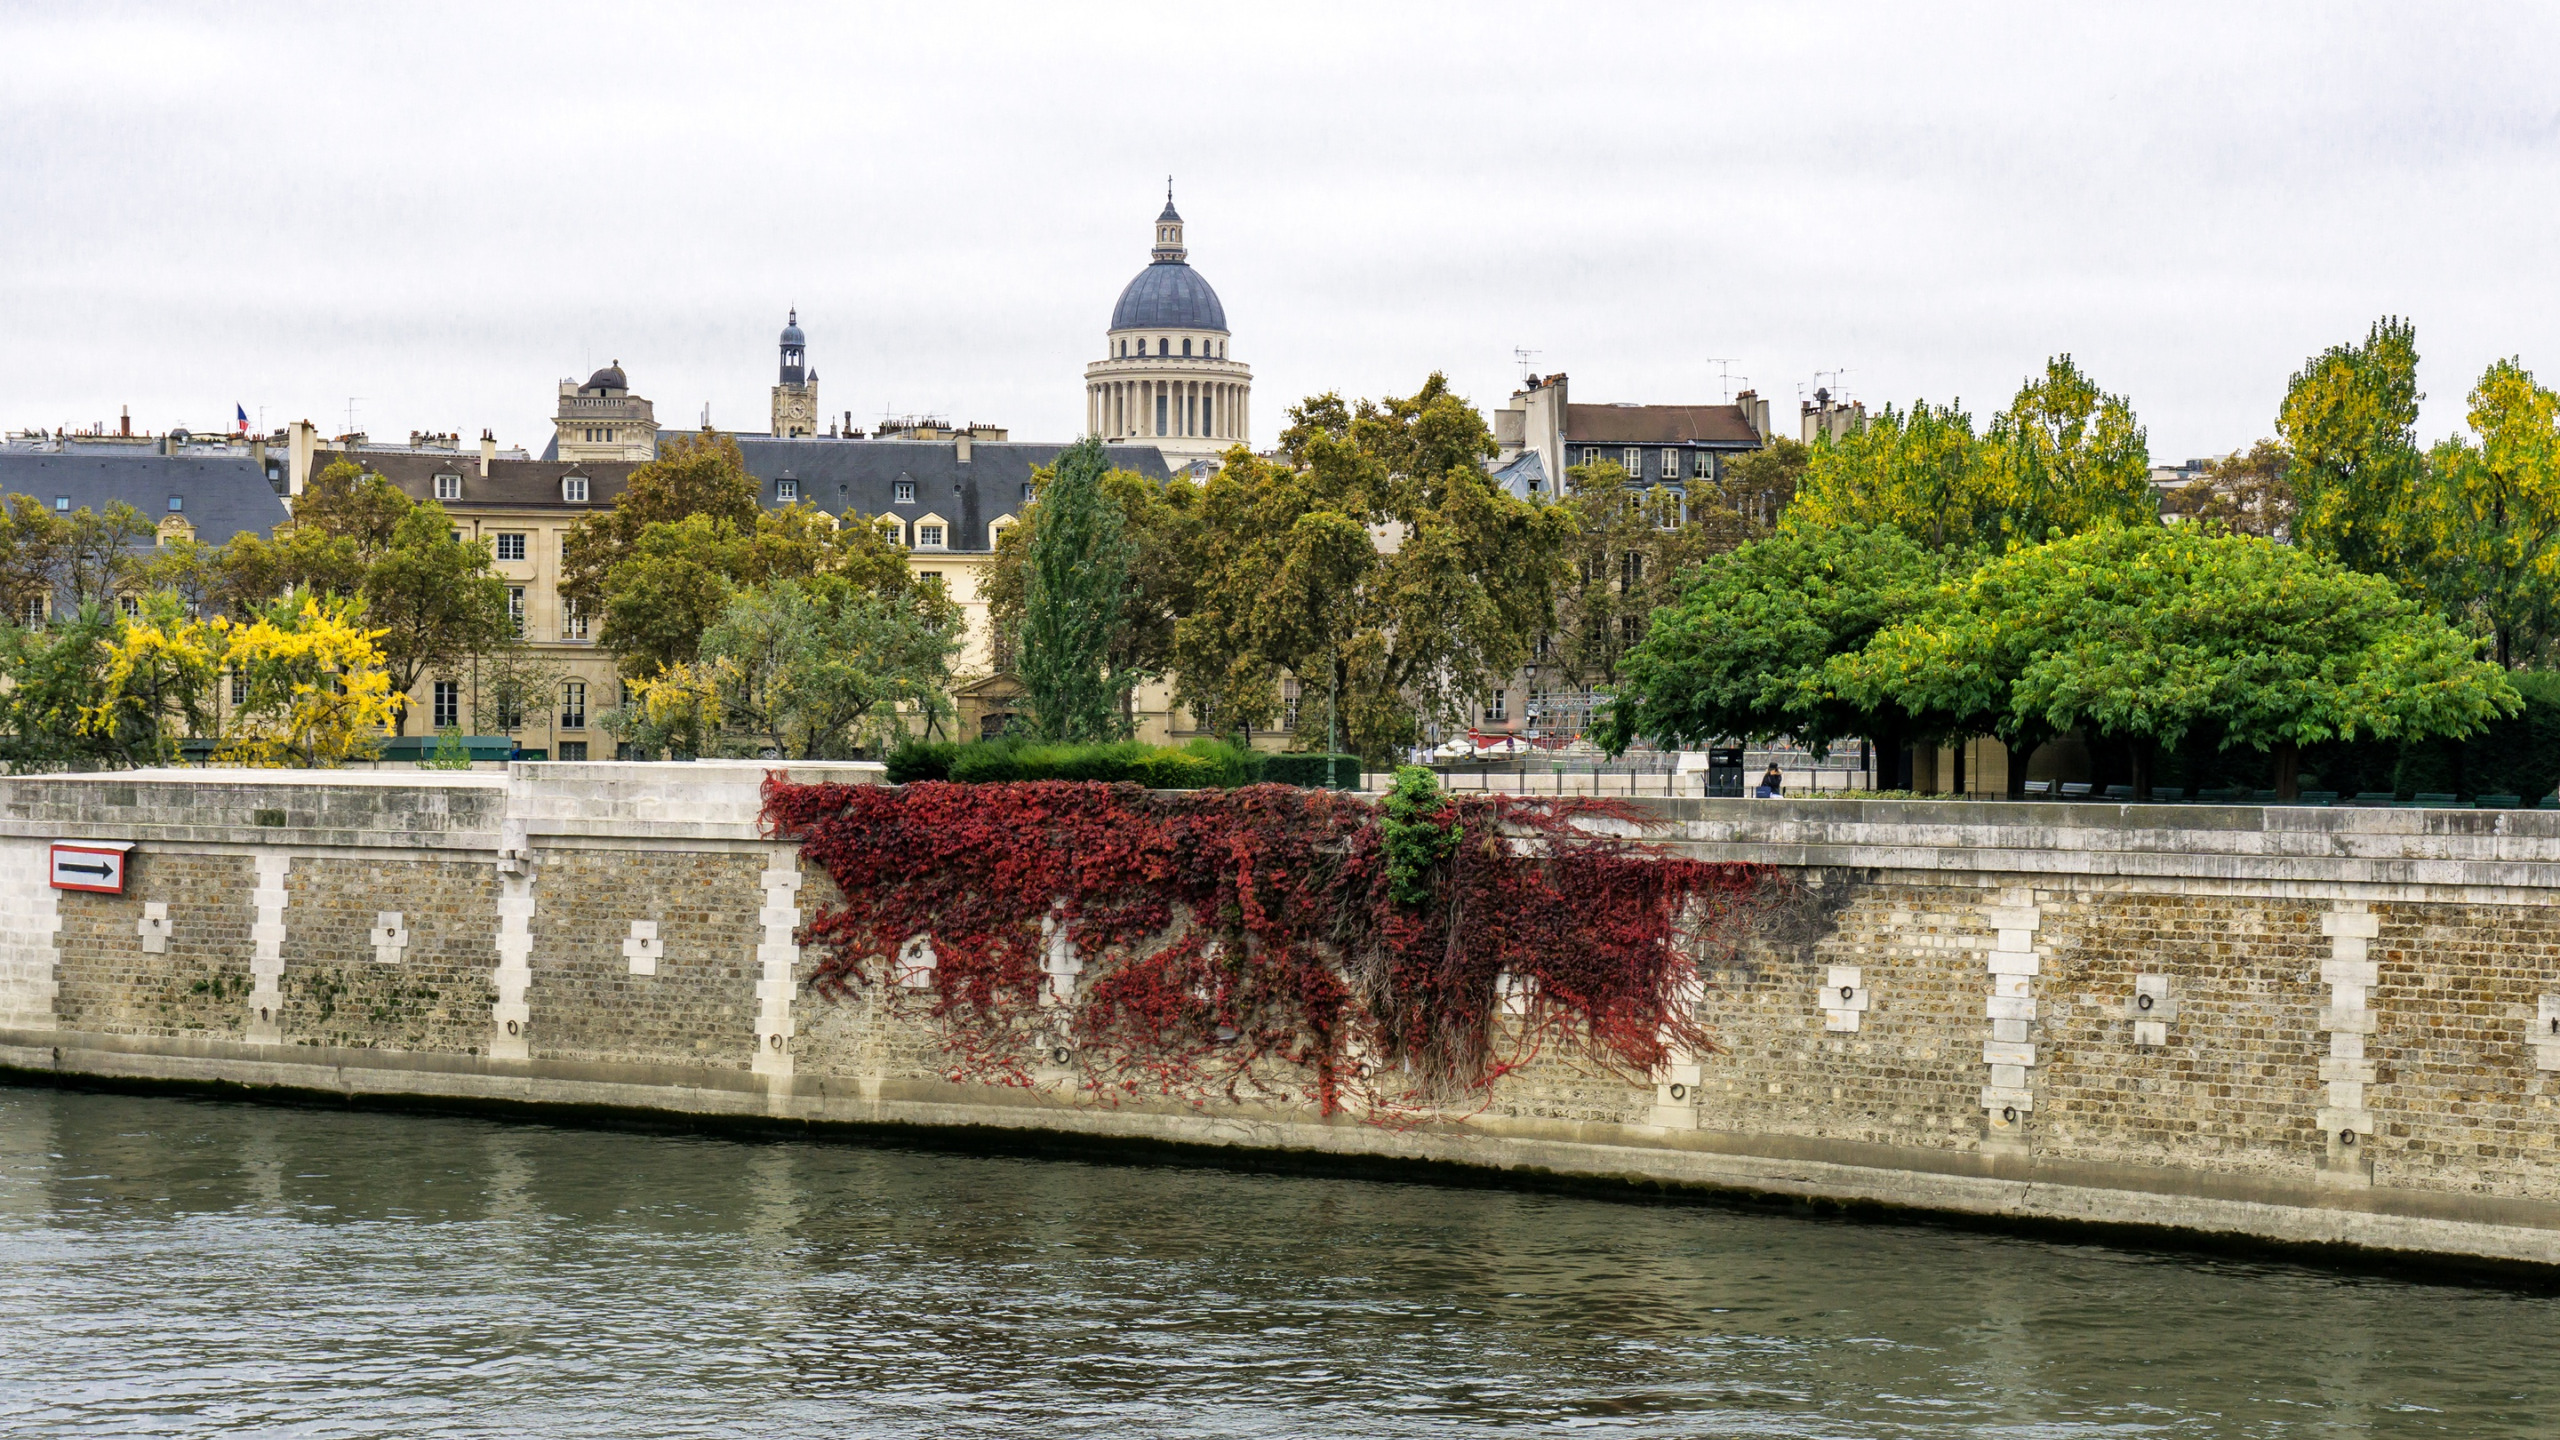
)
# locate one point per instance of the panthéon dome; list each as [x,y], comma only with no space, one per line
[1169,294]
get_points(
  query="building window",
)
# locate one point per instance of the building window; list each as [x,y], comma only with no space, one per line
[1668,515]
[573,749]
[1498,710]
[515,607]
[573,489]
[1702,466]
[1630,630]
[1026,492]
[511,545]
[1633,461]
[1590,455]
[573,622]
[1160,413]
[239,687]
[929,536]
[573,705]
[177,503]
[786,492]
[510,708]
[129,605]
[1630,571]
[905,494]
[448,487]
[61,502]
[1186,348]
[448,706]
[1670,464]
[933,575]
[1289,704]
[1163,346]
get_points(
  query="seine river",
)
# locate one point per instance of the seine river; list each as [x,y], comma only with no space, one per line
[176,1267]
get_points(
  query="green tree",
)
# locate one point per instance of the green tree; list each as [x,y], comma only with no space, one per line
[1759,485]
[2349,420]
[434,601]
[1074,602]
[2488,513]
[668,587]
[703,475]
[2064,456]
[1741,654]
[2147,633]
[819,667]
[1160,520]
[1377,560]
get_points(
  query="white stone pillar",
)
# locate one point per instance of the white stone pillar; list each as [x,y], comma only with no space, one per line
[2010,1053]
[2351,973]
[511,1018]
[777,957]
[266,959]
[30,915]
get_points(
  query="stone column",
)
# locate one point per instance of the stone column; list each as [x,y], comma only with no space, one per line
[2346,1124]
[511,1019]
[777,957]
[30,914]
[266,960]
[2010,1096]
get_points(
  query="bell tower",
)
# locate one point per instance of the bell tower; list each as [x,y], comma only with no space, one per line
[795,398]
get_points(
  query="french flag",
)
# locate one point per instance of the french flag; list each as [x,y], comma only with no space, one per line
[244,416]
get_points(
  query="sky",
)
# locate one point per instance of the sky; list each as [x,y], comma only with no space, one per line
[425,217]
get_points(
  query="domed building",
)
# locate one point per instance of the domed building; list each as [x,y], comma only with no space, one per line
[1168,381]
[603,420]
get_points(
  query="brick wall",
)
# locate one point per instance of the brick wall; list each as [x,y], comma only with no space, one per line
[110,985]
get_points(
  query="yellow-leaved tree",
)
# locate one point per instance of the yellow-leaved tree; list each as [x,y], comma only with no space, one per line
[312,686]
[159,681]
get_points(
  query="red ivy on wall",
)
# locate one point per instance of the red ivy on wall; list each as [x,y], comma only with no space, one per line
[1247,943]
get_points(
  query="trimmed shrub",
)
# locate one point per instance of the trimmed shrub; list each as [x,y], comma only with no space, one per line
[1200,765]
[922,760]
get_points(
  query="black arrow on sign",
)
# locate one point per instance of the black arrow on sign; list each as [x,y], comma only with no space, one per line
[101,871]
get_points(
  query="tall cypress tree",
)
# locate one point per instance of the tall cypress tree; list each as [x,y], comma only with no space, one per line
[1072,598]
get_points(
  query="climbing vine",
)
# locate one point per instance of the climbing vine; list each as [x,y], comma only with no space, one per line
[1260,943]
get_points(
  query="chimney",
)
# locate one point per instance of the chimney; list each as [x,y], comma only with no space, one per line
[124,427]
[301,438]
[488,451]
[961,438]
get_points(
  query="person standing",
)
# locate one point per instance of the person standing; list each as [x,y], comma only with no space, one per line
[1772,785]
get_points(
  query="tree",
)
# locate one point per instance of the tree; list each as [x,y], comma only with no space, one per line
[816,667]
[434,600]
[693,475]
[2350,419]
[2146,634]
[160,681]
[1376,557]
[1740,655]
[2244,493]
[1633,544]
[1074,601]
[312,680]
[2488,514]
[1759,485]
[677,576]
[2068,457]
[1160,520]
[2064,456]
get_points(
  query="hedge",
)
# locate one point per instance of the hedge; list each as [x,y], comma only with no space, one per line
[1200,765]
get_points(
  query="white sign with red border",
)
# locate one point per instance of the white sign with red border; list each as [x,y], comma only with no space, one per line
[90,865]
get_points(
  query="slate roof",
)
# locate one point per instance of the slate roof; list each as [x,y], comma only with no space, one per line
[1171,295]
[1658,425]
[1526,475]
[221,495]
[860,477]
[511,484]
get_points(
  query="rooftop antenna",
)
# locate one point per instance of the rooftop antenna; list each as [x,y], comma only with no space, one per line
[1724,373]
[351,412]
[1523,357]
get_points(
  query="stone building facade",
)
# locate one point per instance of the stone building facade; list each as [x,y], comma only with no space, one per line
[795,394]
[602,420]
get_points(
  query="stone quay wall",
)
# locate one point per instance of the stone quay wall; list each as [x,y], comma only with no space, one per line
[2303,1026]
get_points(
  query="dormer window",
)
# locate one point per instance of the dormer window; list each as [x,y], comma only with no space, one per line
[573,489]
[448,487]
[61,502]
[177,503]
[929,537]
[786,492]
[904,494]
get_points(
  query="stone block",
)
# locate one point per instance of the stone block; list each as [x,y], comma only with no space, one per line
[1996,1098]
[2013,987]
[2334,1068]
[2333,1119]
[2351,972]
[2354,1021]
[153,927]
[2007,1052]
[2003,1008]
[2008,1029]
[2006,1077]
[2012,917]
[2151,1034]
[2012,962]
[2355,924]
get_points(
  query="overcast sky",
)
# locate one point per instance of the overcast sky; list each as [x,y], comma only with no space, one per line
[443,210]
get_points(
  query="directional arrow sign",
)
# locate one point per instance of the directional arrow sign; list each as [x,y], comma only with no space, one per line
[90,865]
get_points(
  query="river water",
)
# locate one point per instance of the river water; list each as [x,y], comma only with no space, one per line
[183,1267]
